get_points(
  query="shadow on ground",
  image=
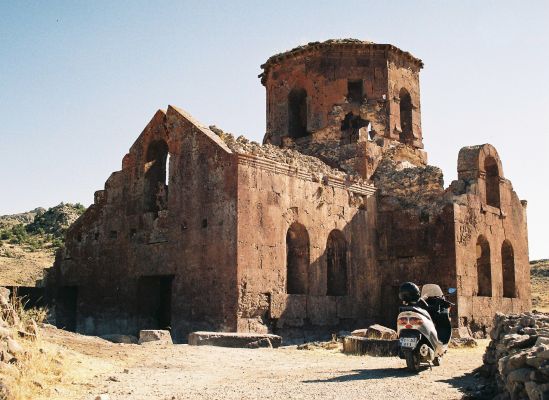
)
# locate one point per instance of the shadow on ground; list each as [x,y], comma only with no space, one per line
[472,387]
[368,374]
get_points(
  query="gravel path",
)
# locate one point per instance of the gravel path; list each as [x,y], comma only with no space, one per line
[188,372]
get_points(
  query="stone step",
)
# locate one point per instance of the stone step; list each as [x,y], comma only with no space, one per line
[371,347]
[234,339]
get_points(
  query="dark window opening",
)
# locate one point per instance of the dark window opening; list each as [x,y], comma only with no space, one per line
[355,91]
[297,113]
[96,236]
[336,250]
[156,175]
[32,297]
[508,266]
[406,134]
[350,128]
[205,223]
[133,232]
[79,237]
[66,307]
[297,259]
[155,301]
[371,132]
[113,234]
[492,182]
[484,268]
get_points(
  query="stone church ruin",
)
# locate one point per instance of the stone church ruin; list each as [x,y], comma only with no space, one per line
[312,231]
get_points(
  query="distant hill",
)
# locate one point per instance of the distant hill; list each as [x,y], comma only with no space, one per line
[28,242]
[539,271]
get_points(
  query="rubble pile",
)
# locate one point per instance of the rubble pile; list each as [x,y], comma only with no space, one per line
[410,183]
[517,357]
[287,156]
[11,328]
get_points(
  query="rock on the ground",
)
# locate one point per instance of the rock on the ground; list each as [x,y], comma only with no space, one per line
[4,296]
[265,342]
[380,332]
[372,347]
[375,331]
[4,333]
[461,332]
[155,335]
[456,343]
[116,338]
[231,339]
[14,347]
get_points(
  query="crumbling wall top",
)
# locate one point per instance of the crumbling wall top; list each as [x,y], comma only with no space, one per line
[333,43]
[308,165]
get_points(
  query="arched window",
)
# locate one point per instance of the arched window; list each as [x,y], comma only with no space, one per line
[156,190]
[492,181]
[406,135]
[508,269]
[484,268]
[297,113]
[336,254]
[297,259]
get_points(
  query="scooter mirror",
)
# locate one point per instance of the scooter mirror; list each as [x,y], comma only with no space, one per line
[452,290]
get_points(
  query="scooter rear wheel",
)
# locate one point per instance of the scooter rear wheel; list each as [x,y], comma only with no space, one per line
[412,361]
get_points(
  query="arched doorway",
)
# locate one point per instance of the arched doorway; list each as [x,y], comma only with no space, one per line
[297,259]
[336,259]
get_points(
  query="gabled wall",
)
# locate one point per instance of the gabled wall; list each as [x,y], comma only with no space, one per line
[189,241]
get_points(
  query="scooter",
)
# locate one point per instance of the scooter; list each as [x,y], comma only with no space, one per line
[424,326]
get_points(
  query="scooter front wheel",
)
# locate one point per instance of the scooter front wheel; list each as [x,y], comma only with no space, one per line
[412,360]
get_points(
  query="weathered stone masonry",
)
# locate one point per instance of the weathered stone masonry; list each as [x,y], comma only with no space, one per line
[310,232]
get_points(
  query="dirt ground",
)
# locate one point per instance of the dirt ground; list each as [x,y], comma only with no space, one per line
[188,372]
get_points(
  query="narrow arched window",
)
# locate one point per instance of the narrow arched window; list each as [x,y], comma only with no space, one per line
[297,259]
[336,257]
[297,113]
[156,171]
[492,181]
[508,269]
[406,134]
[484,267]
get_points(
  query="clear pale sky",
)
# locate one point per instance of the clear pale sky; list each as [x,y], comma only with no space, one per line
[80,80]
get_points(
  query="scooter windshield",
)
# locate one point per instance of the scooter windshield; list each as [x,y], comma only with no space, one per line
[431,290]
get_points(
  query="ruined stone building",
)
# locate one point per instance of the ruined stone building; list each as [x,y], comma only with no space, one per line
[312,231]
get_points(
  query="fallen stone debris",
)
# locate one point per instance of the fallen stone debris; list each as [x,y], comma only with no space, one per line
[376,341]
[517,358]
[11,328]
[231,339]
[157,336]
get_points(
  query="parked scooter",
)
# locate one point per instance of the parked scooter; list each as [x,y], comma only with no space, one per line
[423,324]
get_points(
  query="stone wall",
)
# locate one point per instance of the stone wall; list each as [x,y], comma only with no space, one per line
[517,358]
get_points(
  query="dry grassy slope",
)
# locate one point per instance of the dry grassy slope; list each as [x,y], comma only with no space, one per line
[28,242]
[539,271]
[20,267]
